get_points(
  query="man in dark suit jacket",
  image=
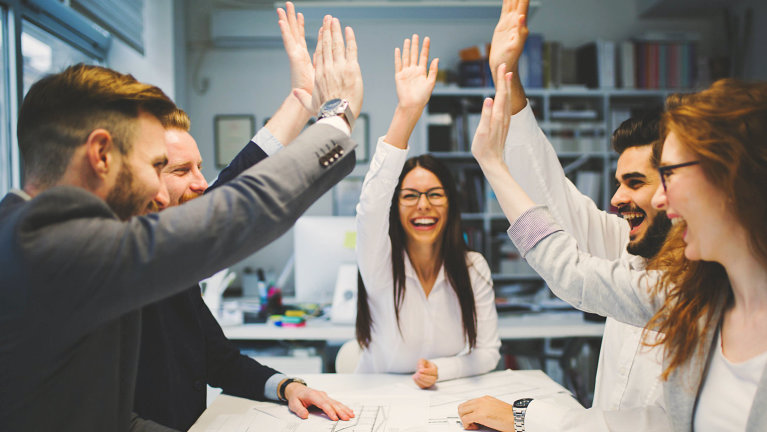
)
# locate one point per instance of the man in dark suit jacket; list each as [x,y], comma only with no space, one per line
[77,267]
[183,347]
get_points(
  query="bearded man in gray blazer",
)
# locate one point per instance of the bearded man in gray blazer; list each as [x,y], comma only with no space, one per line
[76,262]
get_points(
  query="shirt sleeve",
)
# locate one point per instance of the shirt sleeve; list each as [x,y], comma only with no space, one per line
[606,287]
[554,415]
[534,163]
[485,355]
[268,142]
[373,244]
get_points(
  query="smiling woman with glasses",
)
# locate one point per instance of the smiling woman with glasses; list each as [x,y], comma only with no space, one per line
[665,171]
[410,197]
[425,303]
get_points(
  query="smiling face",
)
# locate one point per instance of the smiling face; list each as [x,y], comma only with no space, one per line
[637,182]
[692,199]
[138,181]
[423,223]
[182,175]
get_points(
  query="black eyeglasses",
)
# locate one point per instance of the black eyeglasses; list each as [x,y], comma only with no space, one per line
[666,171]
[436,196]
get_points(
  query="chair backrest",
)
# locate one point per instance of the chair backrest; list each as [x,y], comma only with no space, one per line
[348,356]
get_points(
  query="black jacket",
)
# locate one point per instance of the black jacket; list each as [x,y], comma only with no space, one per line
[183,348]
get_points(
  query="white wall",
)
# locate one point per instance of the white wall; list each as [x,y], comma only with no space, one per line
[255,81]
[156,65]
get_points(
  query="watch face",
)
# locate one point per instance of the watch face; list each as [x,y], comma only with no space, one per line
[331,105]
[522,403]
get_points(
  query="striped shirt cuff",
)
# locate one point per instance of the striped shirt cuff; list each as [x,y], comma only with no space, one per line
[268,143]
[270,388]
[531,227]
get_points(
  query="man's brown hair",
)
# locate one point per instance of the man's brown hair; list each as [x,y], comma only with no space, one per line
[61,110]
[177,119]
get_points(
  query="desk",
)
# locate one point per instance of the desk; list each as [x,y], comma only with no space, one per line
[382,386]
[547,325]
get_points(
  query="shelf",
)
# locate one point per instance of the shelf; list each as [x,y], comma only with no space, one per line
[682,8]
[516,277]
[453,155]
[472,216]
[447,91]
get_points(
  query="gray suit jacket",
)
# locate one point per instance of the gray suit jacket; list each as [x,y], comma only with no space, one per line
[619,290]
[74,278]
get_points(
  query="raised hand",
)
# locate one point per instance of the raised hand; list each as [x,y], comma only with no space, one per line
[426,375]
[336,70]
[301,397]
[509,36]
[487,146]
[294,40]
[414,84]
[486,411]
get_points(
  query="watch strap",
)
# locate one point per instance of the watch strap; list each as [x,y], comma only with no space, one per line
[519,409]
[284,385]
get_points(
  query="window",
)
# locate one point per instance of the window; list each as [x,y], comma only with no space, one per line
[37,37]
[44,53]
[6,174]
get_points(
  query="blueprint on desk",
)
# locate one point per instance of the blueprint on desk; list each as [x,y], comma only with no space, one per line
[390,408]
[372,414]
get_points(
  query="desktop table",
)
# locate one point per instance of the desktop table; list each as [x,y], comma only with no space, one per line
[373,385]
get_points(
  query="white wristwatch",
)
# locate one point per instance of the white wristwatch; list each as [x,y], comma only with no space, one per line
[336,107]
[520,409]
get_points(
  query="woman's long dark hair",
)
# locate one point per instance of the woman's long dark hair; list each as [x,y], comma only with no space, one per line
[453,257]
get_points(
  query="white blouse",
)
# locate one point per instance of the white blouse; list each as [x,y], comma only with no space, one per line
[728,391]
[431,327]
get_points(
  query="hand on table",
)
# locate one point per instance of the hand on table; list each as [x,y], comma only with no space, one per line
[487,411]
[336,70]
[509,36]
[301,397]
[426,375]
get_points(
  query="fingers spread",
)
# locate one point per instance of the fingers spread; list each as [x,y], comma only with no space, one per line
[424,52]
[414,51]
[433,69]
[406,53]
[397,61]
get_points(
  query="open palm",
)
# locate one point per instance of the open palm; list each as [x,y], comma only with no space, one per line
[509,35]
[294,40]
[414,84]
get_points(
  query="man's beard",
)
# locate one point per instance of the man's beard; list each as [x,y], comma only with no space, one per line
[124,199]
[656,234]
[188,196]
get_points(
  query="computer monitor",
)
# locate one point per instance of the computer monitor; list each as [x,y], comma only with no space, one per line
[321,245]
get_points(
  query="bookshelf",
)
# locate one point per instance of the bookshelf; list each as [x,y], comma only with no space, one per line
[579,123]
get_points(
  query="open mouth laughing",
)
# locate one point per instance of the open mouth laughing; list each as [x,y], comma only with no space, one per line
[634,217]
[423,223]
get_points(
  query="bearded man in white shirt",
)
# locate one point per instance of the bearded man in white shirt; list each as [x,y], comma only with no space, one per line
[628,394]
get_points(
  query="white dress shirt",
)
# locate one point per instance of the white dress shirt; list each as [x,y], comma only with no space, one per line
[429,327]
[628,389]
